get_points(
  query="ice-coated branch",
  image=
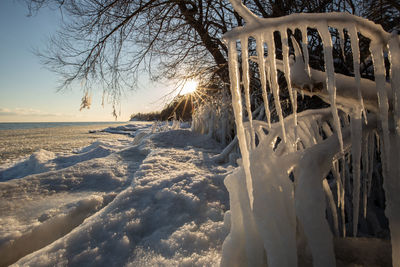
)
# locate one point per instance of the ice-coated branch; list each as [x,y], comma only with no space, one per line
[333,19]
[347,97]
[243,11]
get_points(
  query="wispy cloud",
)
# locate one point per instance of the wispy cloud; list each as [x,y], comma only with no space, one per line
[27,112]
[6,112]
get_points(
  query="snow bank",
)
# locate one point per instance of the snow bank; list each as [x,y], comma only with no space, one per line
[44,161]
[159,200]
[49,230]
[36,163]
[129,129]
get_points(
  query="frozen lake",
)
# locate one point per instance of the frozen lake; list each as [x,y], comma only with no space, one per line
[21,139]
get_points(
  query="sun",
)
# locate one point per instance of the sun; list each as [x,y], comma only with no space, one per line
[189,87]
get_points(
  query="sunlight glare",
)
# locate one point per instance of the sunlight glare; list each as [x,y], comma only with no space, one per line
[189,87]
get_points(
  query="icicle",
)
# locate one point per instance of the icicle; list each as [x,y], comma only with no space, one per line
[371,158]
[302,94]
[274,80]
[327,129]
[237,108]
[345,119]
[378,142]
[356,65]
[263,77]
[365,164]
[380,80]
[341,40]
[296,48]
[316,132]
[331,204]
[394,55]
[330,81]
[246,83]
[292,93]
[388,176]
[305,49]
[356,139]
[336,175]
[295,114]
[391,146]
[343,196]
[305,134]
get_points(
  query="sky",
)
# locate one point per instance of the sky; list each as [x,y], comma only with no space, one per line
[28,91]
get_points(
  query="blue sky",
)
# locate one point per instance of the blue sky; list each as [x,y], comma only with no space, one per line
[28,91]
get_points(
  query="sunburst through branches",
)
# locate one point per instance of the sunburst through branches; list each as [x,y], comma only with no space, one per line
[189,87]
[190,93]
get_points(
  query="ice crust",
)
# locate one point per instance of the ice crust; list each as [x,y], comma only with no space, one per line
[266,207]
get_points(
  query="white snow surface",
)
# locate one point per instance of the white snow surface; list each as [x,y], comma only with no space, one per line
[158,200]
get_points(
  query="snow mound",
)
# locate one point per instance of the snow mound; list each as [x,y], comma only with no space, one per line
[49,230]
[44,161]
[129,129]
[97,152]
[36,163]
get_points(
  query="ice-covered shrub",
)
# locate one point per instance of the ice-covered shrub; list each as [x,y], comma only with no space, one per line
[215,118]
[280,195]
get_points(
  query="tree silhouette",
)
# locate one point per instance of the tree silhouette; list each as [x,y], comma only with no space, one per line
[111,43]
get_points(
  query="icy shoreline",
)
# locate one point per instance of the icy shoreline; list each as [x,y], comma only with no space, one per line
[19,143]
[156,200]
[159,199]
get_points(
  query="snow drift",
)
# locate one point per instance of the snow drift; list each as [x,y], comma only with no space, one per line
[155,200]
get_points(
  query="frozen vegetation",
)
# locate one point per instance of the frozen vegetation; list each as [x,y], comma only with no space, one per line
[282,202]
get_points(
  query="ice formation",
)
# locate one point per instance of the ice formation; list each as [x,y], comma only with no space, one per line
[269,213]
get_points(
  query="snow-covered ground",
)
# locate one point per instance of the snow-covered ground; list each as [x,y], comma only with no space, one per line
[157,199]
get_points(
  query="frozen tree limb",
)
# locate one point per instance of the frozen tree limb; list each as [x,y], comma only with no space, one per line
[346,87]
[346,90]
[220,158]
[224,155]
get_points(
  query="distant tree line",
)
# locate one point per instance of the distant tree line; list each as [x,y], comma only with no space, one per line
[180,108]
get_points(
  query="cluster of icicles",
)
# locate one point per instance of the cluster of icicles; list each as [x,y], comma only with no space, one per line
[281,186]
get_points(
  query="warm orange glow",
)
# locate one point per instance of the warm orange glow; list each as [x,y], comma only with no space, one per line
[189,87]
